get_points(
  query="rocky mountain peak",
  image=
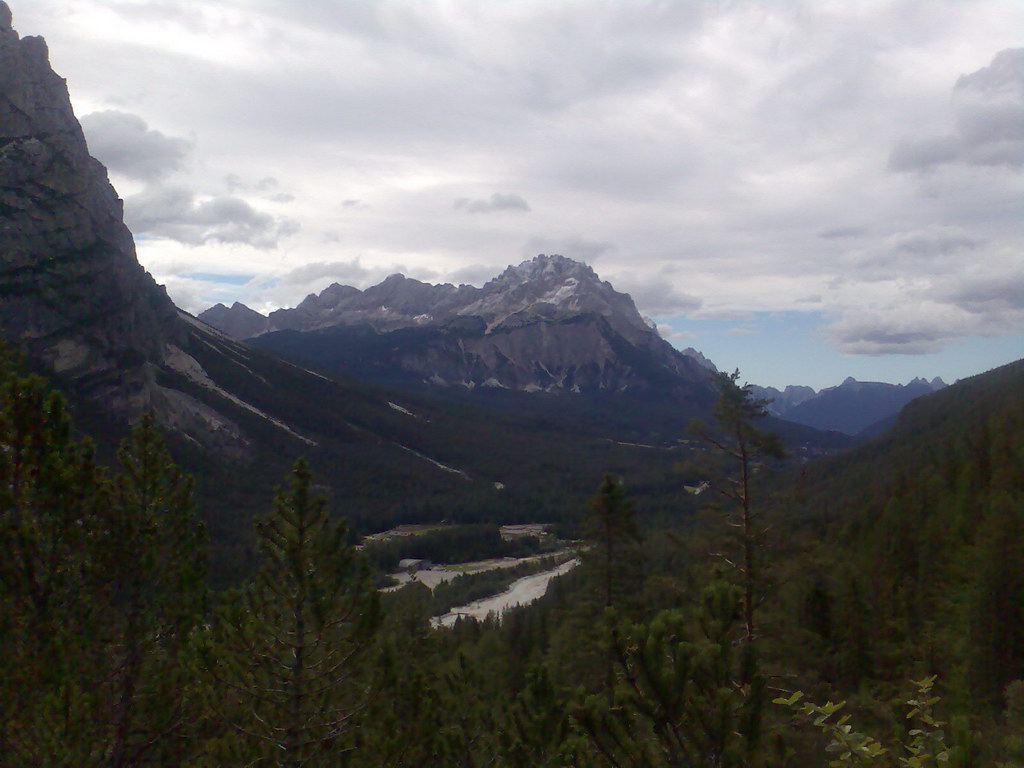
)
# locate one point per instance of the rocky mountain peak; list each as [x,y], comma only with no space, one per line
[555,287]
[237,320]
[545,288]
[700,358]
[553,279]
[549,323]
[328,298]
[922,383]
[74,294]
[782,401]
[546,269]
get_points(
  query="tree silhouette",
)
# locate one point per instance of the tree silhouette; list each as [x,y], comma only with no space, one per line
[285,650]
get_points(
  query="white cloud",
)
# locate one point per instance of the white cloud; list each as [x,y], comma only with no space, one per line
[989,126]
[658,296]
[710,158]
[176,213]
[345,272]
[125,144]
[498,201]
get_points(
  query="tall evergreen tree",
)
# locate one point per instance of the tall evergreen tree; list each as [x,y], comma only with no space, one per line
[152,570]
[612,555]
[610,529]
[102,583]
[49,502]
[741,445]
[404,719]
[286,651]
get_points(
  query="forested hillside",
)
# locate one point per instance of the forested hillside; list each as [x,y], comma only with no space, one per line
[919,569]
[677,643]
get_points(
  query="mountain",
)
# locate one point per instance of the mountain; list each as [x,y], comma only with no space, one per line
[549,324]
[968,412]
[780,402]
[921,534]
[854,405]
[699,357]
[75,301]
[73,294]
[862,408]
[237,321]
[546,287]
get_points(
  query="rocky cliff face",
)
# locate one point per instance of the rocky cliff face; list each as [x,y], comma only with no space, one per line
[237,321]
[544,288]
[73,296]
[548,324]
[72,291]
[780,402]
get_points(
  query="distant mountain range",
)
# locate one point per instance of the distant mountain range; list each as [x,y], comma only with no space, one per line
[75,301]
[547,325]
[863,408]
[412,401]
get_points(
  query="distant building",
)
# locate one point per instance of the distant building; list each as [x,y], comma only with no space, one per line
[411,565]
[509,532]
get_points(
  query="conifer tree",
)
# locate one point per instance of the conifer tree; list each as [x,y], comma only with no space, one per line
[681,700]
[152,569]
[49,501]
[48,484]
[742,445]
[539,731]
[404,717]
[102,580]
[996,601]
[613,556]
[286,651]
[610,529]
[468,694]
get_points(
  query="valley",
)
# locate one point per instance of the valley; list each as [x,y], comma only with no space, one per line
[509,521]
[527,574]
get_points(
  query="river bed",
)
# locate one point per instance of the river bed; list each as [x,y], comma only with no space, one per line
[435,574]
[522,592]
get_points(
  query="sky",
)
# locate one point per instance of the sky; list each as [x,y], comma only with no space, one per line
[802,190]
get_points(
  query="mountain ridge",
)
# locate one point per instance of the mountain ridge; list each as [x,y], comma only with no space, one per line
[74,295]
[547,324]
[75,300]
[545,285]
[851,407]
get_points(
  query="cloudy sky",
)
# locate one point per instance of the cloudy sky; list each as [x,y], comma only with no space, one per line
[803,190]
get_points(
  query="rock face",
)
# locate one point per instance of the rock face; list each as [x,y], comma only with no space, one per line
[237,321]
[781,402]
[547,287]
[547,324]
[73,296]
[699,357]
[72,291]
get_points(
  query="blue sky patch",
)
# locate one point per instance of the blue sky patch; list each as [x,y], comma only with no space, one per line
[214,277]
